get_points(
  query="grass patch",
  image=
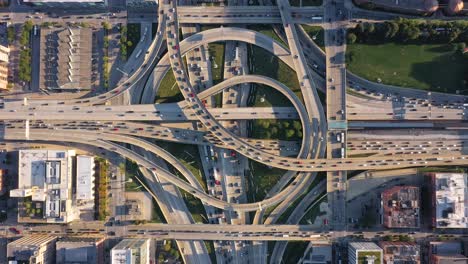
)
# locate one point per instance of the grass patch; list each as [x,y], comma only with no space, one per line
[265,96]
[363,256]
[362,155]
[216,51]
[195,207]
[265,63]
[306,2]
[168,91]
[261,179]
[211,251]
[268,30]
[313,211]
[316,34]
[188,155]
[295,251]
[432,67]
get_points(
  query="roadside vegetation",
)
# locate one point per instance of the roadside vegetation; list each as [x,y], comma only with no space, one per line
[261,179]
[132,37]
[295,251]
[105,59]
[216,51]
[316,33]
[419,54]
[24,73]
[101,182]
[168,91]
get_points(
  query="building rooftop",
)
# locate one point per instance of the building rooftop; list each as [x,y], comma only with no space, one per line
[84,177]
[45,184]
[317,254]
[446,252]
[65,58]
[451,200]
[401,252]
[401,205]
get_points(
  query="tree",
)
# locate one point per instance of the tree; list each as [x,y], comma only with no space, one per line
[106,25]
[297,125]
[129,43]
[290,133]
[351,38]
[392,29]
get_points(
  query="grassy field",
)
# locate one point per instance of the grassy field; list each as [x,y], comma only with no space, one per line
[316,33]
[216,51]
[264,96]
[168,91]
[294,251]
[190,158]
[188,155]
[261,180]
[427,67]
[306,2]
[264,63]
[268,30]
[313,211]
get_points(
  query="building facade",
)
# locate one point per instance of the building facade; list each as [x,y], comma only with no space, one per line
[450,200]
[131,251]
[4,63]
[45,186]
[80,250]
[401,207]
[400,252]
[35,249]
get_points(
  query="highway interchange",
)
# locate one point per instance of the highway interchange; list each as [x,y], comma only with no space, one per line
[91,121]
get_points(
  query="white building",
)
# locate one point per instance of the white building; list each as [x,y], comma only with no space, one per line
[131,251]
[84,177]
[364,252]
[45,183]
[451,200]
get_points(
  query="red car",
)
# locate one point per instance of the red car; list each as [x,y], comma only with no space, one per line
[14,230]
[217,182]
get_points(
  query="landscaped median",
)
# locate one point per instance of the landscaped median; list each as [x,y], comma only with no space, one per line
[411,53]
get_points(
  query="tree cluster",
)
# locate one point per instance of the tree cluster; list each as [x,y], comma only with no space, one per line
[281,129]
[410,31]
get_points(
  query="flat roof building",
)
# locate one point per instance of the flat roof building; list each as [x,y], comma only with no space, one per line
[35,249]
[401,207]
[4,62]
[317,254]
[80,250]
[400,252]
[45,184]
[134,251]
[450,200]
[65,56]
[84,177]
[446,252]
[364,253]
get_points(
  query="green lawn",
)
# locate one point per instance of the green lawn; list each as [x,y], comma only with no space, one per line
[313,212]
[216,51]
[261,180]
[294,251]
[268,30]
[306,2]
[428,67]
[364,255]
[316,33]
[190,158]
[168,91]
[188,155]
[265,63]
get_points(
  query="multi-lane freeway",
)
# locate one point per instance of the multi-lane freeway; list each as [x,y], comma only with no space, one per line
[327,145]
